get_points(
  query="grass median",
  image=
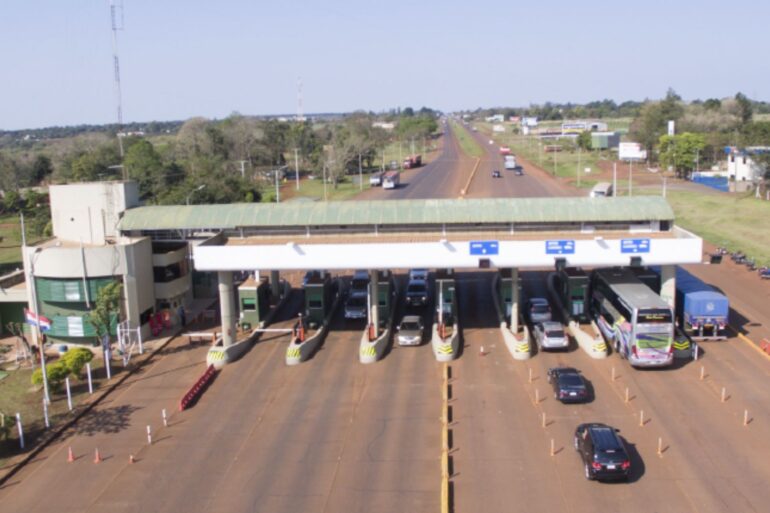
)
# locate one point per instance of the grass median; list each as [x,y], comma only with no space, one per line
[468,143]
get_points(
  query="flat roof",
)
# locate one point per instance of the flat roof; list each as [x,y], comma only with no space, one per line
[402,212]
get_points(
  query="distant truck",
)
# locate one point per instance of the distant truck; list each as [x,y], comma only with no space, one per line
[510,162]
[390,180]
[412,161]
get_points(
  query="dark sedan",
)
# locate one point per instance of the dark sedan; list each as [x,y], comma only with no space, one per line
[568,384]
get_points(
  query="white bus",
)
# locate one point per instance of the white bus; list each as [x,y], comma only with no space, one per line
[390,180]
[632,318]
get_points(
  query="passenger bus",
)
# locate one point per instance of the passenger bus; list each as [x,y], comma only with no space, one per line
[390,180]
[632,318]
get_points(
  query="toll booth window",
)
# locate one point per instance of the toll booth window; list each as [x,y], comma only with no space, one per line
[248,303]
[315,303]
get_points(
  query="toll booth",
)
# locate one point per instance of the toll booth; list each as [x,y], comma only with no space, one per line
[647,276]
[253,301]
[505,292]
[385,287]
[572,288]
[445,296]
[319,298]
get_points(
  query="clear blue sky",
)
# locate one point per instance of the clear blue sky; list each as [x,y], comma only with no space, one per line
[209,58]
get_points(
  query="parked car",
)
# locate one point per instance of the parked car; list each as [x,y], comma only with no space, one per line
[355,307]
[603,452]
[495,174]
[410,331]
[550,335]
[418,274]
[417,293]
[569,386]
[538,310]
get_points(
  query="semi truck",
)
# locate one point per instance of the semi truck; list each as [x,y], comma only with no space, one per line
[701,311]
[412,161]
[510,162]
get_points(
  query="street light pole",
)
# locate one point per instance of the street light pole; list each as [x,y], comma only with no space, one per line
[38,334]
[296,167]
[199,188]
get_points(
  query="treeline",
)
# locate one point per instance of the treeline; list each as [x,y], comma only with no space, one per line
[223,161]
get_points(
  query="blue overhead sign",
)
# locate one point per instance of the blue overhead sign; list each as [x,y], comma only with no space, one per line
[485,247]
[635,245]
[560,247]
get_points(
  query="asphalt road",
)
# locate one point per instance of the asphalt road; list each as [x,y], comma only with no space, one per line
[334,435]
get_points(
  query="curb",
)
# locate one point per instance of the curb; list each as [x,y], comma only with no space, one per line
[86,408]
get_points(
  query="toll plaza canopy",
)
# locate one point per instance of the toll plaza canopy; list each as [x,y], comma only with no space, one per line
[435,233]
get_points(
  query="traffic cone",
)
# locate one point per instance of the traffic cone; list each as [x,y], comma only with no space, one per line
[97,457]
[70,456]
[481,351]
[131,458]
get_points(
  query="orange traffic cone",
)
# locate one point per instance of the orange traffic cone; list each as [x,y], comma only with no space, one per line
[97,458]
[70,456]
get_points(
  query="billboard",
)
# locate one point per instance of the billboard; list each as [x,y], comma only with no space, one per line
[631,151]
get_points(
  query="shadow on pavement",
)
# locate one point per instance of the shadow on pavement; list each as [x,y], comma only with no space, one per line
[106,420]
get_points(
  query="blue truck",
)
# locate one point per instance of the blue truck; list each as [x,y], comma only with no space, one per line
[702,311]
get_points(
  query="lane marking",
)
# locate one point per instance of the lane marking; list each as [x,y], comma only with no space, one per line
[750,342]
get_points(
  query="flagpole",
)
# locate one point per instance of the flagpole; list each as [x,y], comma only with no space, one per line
[36,319]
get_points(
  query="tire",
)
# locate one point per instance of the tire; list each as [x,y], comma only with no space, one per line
[588,472]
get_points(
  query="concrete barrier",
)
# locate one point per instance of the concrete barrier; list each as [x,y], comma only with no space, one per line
[371,351]
[219,356]
[594,344]
[298,352]
[518,344]
[445,350]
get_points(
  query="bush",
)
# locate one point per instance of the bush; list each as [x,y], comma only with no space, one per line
[56,373]
[75,359]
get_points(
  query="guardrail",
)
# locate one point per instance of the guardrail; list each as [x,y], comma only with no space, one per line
[198,388]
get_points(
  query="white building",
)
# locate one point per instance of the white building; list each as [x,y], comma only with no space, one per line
[742,168]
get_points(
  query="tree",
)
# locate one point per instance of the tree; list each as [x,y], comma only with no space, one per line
[143,164]
[42,168]
[55,372]
[653,119]
[106,309]
[583,140]
[681,151]
[745,109]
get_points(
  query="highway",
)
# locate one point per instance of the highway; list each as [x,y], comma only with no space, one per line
[333,435]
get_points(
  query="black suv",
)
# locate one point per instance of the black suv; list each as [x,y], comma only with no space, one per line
[603,453]
[569,386]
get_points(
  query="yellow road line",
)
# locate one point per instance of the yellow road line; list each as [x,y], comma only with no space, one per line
[470,179]
[750,343]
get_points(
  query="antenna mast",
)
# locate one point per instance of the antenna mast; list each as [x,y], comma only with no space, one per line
[300,114]
[116,15]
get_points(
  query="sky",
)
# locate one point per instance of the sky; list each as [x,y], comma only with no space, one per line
[180,59]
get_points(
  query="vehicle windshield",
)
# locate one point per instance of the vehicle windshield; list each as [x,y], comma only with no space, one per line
[410,326]
[571,380]
[537,308]
[356,301]
[554,333]
[416,288]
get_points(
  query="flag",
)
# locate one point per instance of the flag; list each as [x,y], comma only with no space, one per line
[44,323]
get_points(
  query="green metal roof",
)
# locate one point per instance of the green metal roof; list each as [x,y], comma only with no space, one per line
[400,212]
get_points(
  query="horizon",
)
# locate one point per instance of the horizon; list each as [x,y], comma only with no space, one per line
[449,57]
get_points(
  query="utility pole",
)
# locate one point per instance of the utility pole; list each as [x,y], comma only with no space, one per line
[614,178]
[296,167]
[578,167]
[360,173]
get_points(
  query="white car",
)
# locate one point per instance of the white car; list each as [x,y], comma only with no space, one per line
[550,335]
[410,331]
